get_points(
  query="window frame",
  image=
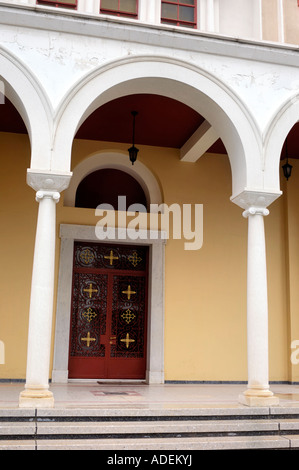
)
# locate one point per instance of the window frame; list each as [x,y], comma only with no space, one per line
[120,13]
[58,4]
[178,22]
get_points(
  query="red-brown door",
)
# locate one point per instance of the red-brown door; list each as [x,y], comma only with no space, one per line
[109,312]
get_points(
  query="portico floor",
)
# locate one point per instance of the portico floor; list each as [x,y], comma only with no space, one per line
[141,396]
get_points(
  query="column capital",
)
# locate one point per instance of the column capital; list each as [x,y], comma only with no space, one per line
[256,211]
[55,195]
[48,184]
[255,202]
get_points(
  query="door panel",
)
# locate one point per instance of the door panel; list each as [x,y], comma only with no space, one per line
[128,326]
[109,312]
[88,324]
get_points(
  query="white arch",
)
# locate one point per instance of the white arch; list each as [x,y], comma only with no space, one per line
[27,95]
[175,79]
[281,124]
[116,160]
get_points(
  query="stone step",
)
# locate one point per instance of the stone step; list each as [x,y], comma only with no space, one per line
[12,428]
[145,428]
[17,445]
[68,428]
[116,429]
[157,427]
[228,412]
[182,444]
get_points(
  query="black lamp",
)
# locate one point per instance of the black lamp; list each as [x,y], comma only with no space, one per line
[133,151]
[287,168]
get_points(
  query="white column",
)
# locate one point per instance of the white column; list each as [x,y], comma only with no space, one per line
[258,392]
[257,312]
[37,393]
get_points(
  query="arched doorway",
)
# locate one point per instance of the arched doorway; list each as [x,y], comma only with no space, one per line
[108,337]
[106,118]
[122,260]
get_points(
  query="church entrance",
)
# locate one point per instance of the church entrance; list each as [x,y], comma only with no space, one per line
[109,312]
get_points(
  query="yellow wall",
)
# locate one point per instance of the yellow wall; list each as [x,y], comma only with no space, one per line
[18,213]
[205,298]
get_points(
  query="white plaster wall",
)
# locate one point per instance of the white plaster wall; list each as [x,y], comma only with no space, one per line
[59,60]
[261,77]
[240,18]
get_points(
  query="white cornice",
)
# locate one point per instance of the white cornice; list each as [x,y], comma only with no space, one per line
[154,35]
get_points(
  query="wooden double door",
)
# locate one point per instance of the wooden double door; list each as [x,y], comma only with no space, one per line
[109,312]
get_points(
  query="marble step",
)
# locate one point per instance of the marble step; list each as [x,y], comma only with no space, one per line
[181,444]
[17,445]
[156,427]
[170,412]
[12,429]
[144,428]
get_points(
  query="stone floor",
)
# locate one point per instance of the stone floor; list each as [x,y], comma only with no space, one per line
[141,396]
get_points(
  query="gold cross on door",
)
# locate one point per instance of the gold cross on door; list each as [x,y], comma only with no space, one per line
[129,292]
[90,290]
[128,340]
[111,257]
[88,339]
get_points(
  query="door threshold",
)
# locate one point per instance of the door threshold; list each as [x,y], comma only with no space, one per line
[109,381]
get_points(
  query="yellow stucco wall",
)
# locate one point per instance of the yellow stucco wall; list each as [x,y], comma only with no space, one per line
[18,221]
[205,297]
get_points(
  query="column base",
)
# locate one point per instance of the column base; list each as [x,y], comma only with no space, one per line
[258,398]
[36,399]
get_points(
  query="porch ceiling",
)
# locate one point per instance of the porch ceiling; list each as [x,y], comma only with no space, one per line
[161,121]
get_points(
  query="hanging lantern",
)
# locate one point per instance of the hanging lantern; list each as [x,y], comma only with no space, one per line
[287,167]
[133,151]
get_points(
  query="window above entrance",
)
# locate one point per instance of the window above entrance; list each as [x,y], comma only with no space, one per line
[179,12]
[62,3]
[105,186]
[120,7]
